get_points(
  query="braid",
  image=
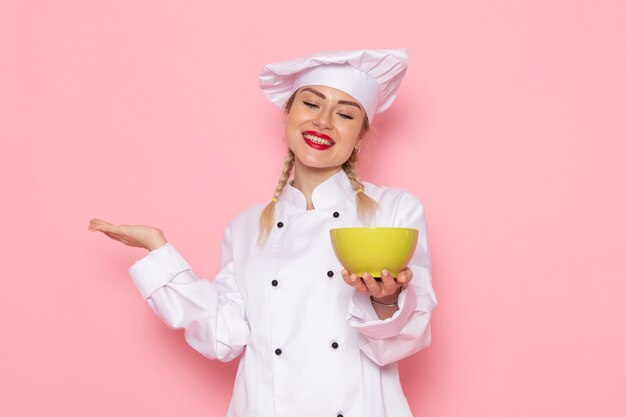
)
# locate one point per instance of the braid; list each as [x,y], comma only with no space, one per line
[267,215]
[365,205]
[284,176]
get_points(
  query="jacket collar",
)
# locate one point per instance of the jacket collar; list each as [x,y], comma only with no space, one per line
[326,194]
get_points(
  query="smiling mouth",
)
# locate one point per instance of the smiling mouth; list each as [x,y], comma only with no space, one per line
[317,140]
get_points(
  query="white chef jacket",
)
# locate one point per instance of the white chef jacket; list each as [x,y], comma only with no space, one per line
[310,344]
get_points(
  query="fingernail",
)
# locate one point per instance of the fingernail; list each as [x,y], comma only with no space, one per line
[353,278]
[385,272]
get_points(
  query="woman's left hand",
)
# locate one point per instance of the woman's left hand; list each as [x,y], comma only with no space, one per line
[385,291]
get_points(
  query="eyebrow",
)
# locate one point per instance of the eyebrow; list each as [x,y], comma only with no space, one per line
[317,93]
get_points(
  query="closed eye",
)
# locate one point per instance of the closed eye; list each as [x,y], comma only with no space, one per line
[315,106]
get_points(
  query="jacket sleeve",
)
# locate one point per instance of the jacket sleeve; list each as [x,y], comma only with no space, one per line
[211,312]
[408,330]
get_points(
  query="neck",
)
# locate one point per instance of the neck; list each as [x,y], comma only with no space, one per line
[307,178]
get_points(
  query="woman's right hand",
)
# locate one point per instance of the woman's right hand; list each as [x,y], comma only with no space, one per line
[138,236]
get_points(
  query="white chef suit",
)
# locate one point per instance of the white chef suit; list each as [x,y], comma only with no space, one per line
[310,344]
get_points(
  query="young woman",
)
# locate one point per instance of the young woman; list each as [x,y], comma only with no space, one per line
[313,339]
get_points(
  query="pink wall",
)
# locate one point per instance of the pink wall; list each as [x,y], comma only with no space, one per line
[510,127]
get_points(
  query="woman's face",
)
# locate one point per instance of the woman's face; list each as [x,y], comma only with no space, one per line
[323,126]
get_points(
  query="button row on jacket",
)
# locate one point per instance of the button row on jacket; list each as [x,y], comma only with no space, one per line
[330,274]
[335,215]
[279,351]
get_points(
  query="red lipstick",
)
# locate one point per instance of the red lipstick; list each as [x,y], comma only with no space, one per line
[317,140]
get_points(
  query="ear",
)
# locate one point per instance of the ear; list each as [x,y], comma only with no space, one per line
[361,136]
[285,116]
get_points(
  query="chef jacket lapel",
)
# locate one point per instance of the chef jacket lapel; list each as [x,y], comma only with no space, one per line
[312,345]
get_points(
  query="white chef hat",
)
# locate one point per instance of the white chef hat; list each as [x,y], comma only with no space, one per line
[371,76]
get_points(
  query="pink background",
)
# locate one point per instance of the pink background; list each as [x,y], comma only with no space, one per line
[510,127]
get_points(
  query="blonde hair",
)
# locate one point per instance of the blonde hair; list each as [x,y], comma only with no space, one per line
[267,215]
[366,206]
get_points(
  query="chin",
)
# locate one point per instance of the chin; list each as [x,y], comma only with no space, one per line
[321,166]
[312,162]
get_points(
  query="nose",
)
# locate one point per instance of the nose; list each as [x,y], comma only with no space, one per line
[323,121]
